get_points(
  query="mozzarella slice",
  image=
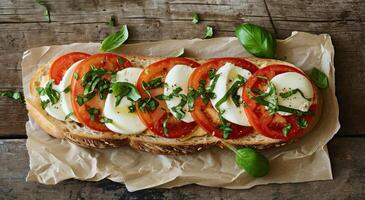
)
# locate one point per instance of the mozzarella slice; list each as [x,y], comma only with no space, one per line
[177,77]
[54,110]
[228,75]
[124,122]
[65,98]
[290,81]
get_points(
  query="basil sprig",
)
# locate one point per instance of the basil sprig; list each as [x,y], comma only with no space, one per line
[256,40]
[124,89]
[16,95]
[319,78]
[114,40]
[253,162]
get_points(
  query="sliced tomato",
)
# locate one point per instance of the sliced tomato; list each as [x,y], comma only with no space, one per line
[111,63]
[154,119]
[272,125]
[205,114]
[61,65]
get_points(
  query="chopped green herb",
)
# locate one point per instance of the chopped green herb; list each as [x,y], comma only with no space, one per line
[195,19]
[76,76]
[81,100]
[190,98]
[164,125]
[262,77]
[93,112]
[124,89]
[155,83]
[319,78]
[68,115]
[208,32]
[67,89]
[179,108]
[113,77]
[16,95]
[93,81]
[302,123]
[202,91]
[132,107]
[292,92]
[149,104]
[52,94]
[286,130]
[45,103]
[120,61]
[175,93]
[224,126]
[115,40]
[105,120]
[232,91]
[46,10]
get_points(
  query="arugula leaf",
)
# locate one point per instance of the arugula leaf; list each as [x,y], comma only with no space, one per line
[46,10]
[256,40]
[105,120]
[154,83]
[93,112]
[286,130]
[114,40]
[195,19]
[164,125]
[178,53]
[208,32]
[302,123]
[16,95]
[124,89]
[292,92]
[319,78]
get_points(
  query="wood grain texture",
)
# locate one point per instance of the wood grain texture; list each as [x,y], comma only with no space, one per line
[348,183]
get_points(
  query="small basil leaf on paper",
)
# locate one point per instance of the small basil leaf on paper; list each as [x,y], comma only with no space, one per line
[16,95]
[256,40]
[114,40]
[253,162]
[208,32]
[319,78]
[46,10]
[178,53]
[195,19]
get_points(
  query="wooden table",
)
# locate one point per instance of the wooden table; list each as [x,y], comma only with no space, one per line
[22,26]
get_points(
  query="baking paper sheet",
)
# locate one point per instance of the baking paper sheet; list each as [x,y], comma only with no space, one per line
[54,160]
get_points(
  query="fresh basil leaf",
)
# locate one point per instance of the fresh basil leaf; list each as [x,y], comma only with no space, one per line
[231,91]
[76,76]
[292,92]
[319,78]
[45,8]
[208,32]
[190,98]
[45,103]
[114,40]
[195,19]
[105,120]
[256,40]
[149,104]
[16,95]
[254,163]
[52,94]
[178,53]
[286,130]
[302,123]
[67,89]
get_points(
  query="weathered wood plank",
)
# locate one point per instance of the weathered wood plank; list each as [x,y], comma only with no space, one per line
[348,183]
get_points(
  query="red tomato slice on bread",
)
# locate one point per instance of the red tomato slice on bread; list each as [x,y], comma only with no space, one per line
[61,65]
[271,125]
[90,111]
[205,114]
[154,119]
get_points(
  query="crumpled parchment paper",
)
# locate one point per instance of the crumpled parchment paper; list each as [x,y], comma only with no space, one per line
[54,160]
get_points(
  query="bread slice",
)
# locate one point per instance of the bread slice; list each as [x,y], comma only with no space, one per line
[146,141]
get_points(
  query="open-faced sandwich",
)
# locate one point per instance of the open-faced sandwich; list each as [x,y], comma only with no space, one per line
[172,105]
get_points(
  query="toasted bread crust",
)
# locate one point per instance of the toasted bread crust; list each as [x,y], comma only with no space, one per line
[146,141]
